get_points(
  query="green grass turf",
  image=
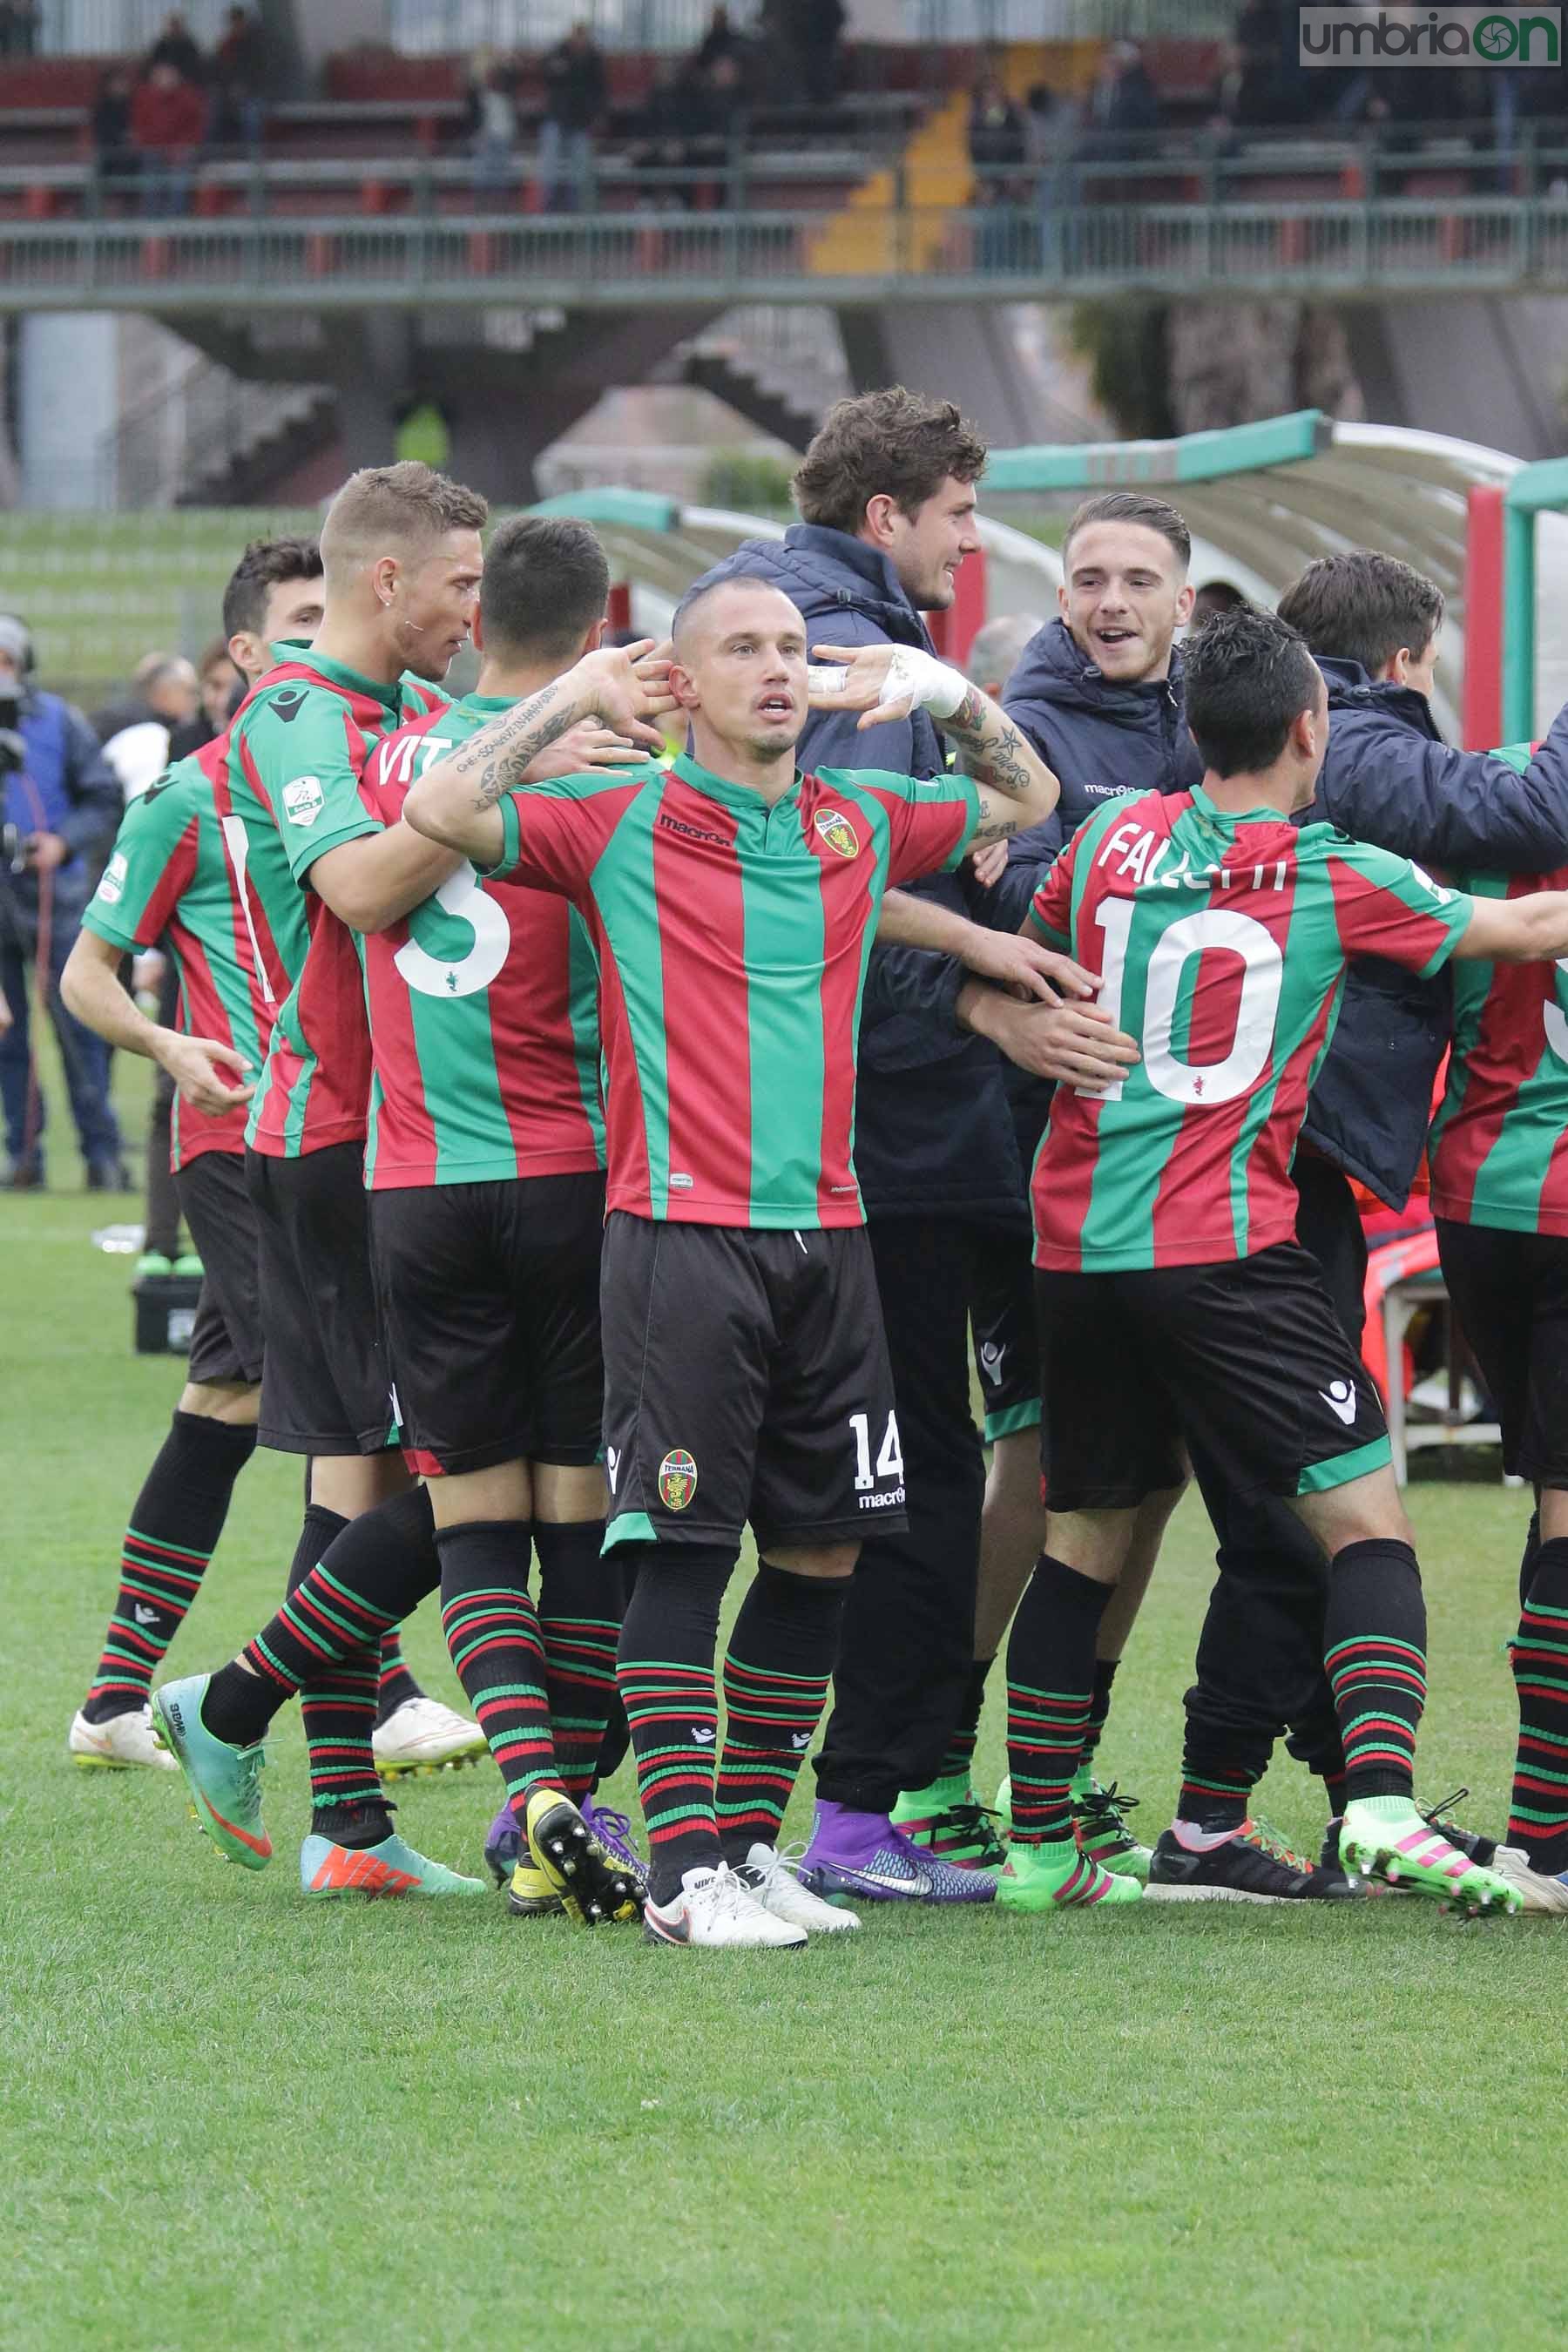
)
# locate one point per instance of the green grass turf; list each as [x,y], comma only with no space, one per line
[231,2119]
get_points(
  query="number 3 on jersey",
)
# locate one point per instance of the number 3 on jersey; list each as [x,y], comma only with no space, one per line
[461,895]
[1212,928]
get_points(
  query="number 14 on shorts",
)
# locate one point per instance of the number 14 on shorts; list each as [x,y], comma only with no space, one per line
[882,1488]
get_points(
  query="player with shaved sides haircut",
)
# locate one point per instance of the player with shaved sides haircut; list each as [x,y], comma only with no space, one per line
[730,897]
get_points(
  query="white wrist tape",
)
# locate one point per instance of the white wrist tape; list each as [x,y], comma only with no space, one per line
[932,684]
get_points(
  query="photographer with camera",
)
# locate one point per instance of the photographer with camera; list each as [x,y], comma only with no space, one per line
[60,805]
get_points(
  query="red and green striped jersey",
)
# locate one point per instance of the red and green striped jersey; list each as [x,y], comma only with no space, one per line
[732,938]
[173,876]
[1499,1143]
[1223,942]
[484,1019]
[300,742]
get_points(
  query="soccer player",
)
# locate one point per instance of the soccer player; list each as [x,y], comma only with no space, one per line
[1500,1202]
[1170,1283]
[1373,624]
[172,867]
[485,1163]
[401,548]
[170,872]
[887,497]
[731,899]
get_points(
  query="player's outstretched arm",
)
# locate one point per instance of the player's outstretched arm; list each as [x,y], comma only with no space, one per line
[1518,931]
[455,802]
[200,1067]
[1005,956]
[884,682]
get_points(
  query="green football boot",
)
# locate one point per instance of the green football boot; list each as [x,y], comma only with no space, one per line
[1099,1819]
[948,1821]
[1387,1839]
[225,1782]
[1059,1878]
[391,1869]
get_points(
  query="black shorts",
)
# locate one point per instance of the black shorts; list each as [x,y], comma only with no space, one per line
[1007,1345]
[226,1339]
[1511,1293]
[325,1387]
[490,1302]
[1246,1359]
[746,1379]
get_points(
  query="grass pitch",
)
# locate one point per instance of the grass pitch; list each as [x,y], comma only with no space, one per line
[233,2120]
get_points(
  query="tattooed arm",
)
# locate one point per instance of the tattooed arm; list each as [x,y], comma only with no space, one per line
[456,802]
[1016,788]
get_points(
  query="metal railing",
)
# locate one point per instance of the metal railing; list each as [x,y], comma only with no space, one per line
[631,259]
[738,176]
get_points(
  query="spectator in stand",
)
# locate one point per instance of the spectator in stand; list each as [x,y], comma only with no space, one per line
[1123,107]
[1264,83]
[998,150]
[726,89]
[19,28]
[64,805]
[816,27]
[661,129]
[239,78]
[492,123]
[576,91]
[176,45]
[721,40]
[114,157]
[168,123]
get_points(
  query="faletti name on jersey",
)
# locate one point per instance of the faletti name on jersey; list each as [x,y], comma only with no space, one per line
[1139,854]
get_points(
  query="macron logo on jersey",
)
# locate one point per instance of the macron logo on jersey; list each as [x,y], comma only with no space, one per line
[302,800]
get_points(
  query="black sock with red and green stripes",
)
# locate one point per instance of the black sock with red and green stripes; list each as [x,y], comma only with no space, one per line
[396,1684]
[368,1574]
[1374,1655]
[581,1604]
[492,1632]
[337,1711]
[665,1671]
[1050,1690]
[780,1660]
[173,1532]
[1538,1812]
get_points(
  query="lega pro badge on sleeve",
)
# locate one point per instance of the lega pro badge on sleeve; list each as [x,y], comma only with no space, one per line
[111,889]
[303,802]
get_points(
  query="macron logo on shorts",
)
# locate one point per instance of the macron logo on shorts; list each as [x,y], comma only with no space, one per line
[1340,1398]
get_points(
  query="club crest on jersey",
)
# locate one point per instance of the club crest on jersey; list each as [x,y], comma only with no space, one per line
[302,801]
[676,1479]
[837,831]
